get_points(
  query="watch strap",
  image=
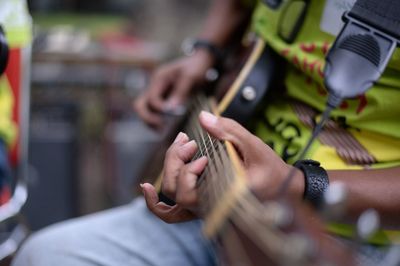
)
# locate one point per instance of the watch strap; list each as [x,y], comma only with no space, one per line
[316,181]
[189,46]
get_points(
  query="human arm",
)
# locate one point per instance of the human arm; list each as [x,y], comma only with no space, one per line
[266,172]
[171,83]
[262,166]
[372,188]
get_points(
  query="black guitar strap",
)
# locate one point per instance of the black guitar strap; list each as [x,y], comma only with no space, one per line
[383,15]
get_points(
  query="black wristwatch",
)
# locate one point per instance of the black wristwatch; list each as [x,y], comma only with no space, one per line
[190,45]
[316,181]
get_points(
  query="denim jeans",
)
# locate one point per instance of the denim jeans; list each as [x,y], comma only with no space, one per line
[131,235]
[128,235]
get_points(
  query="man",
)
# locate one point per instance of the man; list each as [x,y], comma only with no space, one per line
[132,236]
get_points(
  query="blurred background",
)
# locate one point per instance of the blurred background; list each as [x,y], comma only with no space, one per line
[90,59]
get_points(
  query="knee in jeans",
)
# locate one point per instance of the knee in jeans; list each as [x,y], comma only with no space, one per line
[36,245]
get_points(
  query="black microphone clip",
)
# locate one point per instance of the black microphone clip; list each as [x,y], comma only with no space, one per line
[356,60]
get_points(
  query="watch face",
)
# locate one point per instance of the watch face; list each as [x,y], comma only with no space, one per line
[188,46]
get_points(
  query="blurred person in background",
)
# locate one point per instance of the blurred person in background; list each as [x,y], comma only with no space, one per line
[7,125]
[132,235]
[16,38]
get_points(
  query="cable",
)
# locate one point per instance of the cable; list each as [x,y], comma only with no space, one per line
[332,103]
[354,63]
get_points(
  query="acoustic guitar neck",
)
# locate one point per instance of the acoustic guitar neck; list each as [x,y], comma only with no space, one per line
[248,231]
[251,232]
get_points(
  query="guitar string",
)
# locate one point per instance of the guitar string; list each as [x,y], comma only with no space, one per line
[213,167]
[253,217]
[226,164]
[270,241]
[208,146]
[205,144]
[220,180]
[234,247]
[250,224]
[250,215]
[202,152]
[222,165]
[218,164]
[202,146]
[215,187]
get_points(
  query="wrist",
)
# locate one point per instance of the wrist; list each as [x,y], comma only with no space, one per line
[297,185]
[205,57]
[316,181]
[205,64]
[204,47]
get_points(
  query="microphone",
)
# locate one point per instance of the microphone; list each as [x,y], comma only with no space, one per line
[356,60]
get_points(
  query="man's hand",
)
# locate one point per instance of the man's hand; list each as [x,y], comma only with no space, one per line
[178,184]
[265,170]
[171,84]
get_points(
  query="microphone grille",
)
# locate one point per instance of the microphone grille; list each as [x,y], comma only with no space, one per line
[364,45]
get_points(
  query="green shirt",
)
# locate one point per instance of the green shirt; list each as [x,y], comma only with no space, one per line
[371,119]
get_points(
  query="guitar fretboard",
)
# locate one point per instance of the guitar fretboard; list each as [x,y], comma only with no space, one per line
[234,215]
[218,173]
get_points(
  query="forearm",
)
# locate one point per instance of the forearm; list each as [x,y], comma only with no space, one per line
[224,20]
[378,189]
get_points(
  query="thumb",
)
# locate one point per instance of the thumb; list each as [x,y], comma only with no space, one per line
[150,195]
[227,129]
[180,93]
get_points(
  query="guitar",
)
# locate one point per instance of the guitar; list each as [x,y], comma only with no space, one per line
[251,232]
[238,92]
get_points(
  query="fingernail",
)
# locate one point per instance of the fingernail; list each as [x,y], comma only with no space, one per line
[190,143]
[141,185]
[143,191]
[180,137]
[208,118]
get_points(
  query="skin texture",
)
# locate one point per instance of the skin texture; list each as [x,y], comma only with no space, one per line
[170,86]
[171,83]
[265,170]
[376,189]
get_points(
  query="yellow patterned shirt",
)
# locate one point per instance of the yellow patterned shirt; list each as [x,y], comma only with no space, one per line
[371,119]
